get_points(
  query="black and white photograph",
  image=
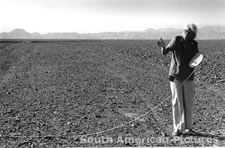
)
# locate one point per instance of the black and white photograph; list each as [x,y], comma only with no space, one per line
[112,73]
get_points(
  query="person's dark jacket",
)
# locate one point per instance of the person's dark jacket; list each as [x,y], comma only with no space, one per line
[182,53]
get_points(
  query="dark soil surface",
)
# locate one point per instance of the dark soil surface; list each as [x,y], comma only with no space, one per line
[56,94]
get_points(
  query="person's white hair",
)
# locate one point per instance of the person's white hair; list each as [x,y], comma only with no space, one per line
[192,27]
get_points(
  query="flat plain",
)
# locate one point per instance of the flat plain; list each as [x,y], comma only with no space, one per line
[73,93]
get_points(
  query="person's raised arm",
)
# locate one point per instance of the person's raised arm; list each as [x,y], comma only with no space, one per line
[165,49]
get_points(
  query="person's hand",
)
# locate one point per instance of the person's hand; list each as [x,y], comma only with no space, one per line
[161,43]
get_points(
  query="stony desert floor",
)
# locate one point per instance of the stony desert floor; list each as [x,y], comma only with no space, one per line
[103,93]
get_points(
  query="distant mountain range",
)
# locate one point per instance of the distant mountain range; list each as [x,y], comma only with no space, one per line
[207,32]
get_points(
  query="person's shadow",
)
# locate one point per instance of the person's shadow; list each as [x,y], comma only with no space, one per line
[217,138]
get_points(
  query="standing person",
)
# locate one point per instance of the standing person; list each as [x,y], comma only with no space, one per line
[181,77]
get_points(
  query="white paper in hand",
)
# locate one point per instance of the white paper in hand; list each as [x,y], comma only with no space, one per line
[196,60]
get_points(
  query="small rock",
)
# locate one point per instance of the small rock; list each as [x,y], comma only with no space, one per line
[163,134]
[14,134]
[49,137]
[17,118]
[160,109]
[98,116]
[55,112]
[135,125]
[68,123]
[77,140]
[99,122]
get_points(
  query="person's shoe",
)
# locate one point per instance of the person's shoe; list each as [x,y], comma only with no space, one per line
[189,132]
[177,133]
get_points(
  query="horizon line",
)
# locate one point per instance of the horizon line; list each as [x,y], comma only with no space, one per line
[153,28]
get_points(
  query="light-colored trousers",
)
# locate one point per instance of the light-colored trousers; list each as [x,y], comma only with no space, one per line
[182,104]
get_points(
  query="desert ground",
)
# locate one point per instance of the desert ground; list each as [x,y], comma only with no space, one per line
[76,93]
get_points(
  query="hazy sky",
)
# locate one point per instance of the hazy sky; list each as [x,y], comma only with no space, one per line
[107,15]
